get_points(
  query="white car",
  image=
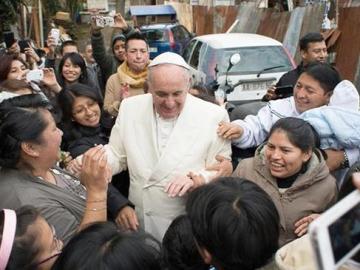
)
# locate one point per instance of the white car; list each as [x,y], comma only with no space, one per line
[263,61]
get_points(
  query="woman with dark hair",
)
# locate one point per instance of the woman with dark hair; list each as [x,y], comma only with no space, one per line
[72,69]
[81,121]
[291,169]
[29,151]
[28,242]
[12,67]
[15,68]
[83,125]
[103,246]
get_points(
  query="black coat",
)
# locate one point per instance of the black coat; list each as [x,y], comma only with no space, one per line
[84,138]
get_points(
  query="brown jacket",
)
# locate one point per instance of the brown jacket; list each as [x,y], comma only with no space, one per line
[312,192]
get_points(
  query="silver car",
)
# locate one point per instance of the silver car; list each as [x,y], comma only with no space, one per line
[263,61]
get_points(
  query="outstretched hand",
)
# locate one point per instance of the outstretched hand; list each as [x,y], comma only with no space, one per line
[50,80]
[229,131]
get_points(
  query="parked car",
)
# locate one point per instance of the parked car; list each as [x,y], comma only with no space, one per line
[263,61]
[166,37]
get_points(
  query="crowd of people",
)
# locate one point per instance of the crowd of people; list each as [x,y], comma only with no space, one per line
[114,161]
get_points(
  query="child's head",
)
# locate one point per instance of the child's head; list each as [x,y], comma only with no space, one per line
[234,222]
[179,251]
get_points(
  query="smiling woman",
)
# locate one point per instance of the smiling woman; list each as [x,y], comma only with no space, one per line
[29,176]
[81,108]
[293,172]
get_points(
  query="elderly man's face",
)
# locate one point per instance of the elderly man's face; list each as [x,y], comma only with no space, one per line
[168,91]
[137,55]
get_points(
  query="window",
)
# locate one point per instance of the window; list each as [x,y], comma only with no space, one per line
[194,61]
[187,51]
[154,34]
[254,59]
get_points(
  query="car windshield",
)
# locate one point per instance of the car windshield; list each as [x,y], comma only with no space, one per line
[268,59]
[154,34]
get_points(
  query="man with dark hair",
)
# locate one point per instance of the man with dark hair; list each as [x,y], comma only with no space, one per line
[312,49]
[131,74]
[235,224]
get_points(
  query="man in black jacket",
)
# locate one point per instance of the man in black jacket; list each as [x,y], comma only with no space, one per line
[312,49]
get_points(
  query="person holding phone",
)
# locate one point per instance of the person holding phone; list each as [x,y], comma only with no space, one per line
[291,169]
[312,50]
[110,62]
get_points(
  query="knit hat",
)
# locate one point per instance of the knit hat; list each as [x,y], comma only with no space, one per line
[118,36]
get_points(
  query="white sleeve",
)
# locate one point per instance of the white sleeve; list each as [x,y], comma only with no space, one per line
[221,147]
[256,128]
[116,152]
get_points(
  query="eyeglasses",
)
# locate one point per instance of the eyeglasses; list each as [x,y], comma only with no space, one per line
[58,247]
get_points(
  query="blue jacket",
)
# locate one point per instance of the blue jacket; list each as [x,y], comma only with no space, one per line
[338,128]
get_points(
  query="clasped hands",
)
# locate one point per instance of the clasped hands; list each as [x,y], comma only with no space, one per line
[181,184]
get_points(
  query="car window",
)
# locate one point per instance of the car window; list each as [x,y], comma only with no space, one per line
[188,50]
[155,34]
[185,33]
[176,32]
[194,61]
[254,60]
[181,33]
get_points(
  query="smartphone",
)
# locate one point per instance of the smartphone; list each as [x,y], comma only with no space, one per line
[23,44]
[284,91]
[9,39]
[55,34]
[103,21]
[35,75]
[335,235]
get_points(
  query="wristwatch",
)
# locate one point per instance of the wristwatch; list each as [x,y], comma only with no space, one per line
[345,163]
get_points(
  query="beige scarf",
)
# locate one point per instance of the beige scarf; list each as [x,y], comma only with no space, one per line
[135,80]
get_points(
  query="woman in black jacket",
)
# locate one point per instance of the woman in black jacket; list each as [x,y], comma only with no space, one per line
[85,125]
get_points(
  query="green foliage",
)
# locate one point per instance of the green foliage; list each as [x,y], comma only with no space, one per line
[73,6]
[50,7]
[9,11]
